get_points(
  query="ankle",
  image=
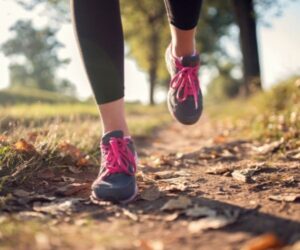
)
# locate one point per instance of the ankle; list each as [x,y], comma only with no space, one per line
[180,51]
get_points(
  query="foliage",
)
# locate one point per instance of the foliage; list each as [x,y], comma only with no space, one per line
[17,95]
[224,86]
[34,57]
[270,114]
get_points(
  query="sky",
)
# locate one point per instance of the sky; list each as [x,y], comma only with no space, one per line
[279,51]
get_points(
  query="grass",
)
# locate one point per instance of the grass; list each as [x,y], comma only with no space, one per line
[46,127]
[18,95]
[272,114]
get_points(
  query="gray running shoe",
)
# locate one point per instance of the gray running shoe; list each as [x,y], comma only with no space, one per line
[116,180]
[185,101]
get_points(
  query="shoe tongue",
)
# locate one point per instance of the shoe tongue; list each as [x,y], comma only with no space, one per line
[190,61]
[116,134]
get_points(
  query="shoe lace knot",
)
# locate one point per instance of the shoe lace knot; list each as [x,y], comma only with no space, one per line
[186,82]
[117,157]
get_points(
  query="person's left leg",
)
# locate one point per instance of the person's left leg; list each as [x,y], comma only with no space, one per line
[184,96]
[100,38]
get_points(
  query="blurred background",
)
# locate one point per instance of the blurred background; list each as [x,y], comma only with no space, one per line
[245,46]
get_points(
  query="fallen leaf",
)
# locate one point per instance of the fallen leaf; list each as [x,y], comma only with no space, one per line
[28,215]
[209,223]
[130,215]
[175,187]
[181,203]
[171,217]
[21,193]
[59,207]
[164,174]
[46,174]
[196,212]
[220,139]
[73,188]
[219,170]
[285,197]
[80,159]
[149,245]
[74,170]
[150,194]
[269,148]
[68,179]
[3,139]
[24,147]
[263,242]
[244,175]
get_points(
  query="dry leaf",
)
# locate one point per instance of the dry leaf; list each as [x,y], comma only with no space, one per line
[171,217]
[263,242]
[46,174]
[149,245]
[130,214]
[74,170]
[285,197]
[243,175]
[21,193]
[24,147]
[67,149]
[196,212]
[269,148]
[150,194]
[58,207]
[181,203]
[73,188]
[219,170]
[220,139]
[164,174]
[209,223]
[68,179]
[3,139]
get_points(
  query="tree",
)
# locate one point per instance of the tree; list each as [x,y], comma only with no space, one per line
[246,20]
[145,33]
[34,56]
[147,36]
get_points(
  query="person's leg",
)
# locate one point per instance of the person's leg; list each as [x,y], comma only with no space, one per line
[100,35]
[183,17]
[184,96]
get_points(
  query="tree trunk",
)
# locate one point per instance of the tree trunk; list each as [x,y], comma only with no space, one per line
[245,15]
[153,58]
[152,79]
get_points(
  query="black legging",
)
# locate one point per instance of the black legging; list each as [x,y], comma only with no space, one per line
[100,36]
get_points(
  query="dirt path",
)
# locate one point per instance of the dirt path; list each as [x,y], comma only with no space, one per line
[200,188]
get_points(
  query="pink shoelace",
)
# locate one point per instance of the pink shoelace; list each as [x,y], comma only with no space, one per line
[118,157]
[186,81]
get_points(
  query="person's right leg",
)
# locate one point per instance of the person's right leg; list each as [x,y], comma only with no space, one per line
[184,96]
[100,37]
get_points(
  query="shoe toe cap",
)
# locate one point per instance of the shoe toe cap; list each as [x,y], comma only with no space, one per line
[116,187]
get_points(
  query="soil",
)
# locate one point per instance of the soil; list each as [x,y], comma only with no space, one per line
[256,191]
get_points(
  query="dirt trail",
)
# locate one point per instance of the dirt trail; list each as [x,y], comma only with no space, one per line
[226,191]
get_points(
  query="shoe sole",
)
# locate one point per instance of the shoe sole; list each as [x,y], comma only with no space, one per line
[130,199]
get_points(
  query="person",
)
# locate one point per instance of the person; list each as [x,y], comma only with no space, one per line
[99,34]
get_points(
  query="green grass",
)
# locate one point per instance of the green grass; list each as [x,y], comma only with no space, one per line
[31,95]
[271,114]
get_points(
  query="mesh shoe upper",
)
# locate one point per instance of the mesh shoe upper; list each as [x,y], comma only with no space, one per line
[184,96]
[116,179]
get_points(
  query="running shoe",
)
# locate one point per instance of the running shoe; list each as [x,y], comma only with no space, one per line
[185,101]
[116,181]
